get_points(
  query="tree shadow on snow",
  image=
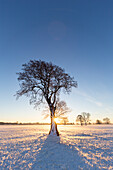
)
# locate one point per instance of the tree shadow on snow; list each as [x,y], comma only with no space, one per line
[56,155]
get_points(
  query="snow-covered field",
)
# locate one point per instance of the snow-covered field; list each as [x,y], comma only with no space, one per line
[30,147]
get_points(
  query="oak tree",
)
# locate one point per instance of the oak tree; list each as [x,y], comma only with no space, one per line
[43,81]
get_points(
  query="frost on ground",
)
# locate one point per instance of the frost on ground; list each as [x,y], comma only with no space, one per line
[30,147]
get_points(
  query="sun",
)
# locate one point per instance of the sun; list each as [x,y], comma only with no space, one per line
[56,120]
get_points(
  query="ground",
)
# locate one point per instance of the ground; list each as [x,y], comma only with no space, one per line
[78,147]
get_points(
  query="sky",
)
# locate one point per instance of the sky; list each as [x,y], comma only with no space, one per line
[76,35]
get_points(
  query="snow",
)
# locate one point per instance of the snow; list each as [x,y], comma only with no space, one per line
[78,147]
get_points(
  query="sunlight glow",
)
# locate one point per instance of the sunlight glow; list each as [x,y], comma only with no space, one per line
[56,120]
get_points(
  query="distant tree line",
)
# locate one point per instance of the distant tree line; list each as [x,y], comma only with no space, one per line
[8,123]
[106,120]
[16,123]
[84,119]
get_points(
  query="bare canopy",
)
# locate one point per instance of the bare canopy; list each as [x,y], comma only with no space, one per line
[42,81]
[60,112]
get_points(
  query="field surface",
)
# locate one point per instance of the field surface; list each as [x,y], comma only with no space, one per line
[30,147]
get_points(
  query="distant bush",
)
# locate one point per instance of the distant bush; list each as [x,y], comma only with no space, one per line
[106,120]
[98,121]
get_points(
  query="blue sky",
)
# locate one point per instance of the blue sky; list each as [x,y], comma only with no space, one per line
[76,35]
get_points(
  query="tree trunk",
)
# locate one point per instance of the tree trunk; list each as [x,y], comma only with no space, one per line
[53,129]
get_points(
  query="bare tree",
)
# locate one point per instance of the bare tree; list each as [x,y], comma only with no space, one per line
[86,117]
[106,120]
[80,119]
[61,110]
[43,81]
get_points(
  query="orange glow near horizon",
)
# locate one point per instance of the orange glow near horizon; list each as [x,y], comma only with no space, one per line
[56,120]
